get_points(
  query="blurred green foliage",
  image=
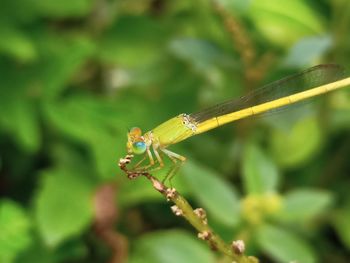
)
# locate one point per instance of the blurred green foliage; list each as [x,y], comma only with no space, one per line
[75,75]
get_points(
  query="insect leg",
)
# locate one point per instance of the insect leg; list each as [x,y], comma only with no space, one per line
[151,161]
[140,162]
[175,158]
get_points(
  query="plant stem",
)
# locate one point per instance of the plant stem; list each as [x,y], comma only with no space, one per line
[198,221]
[196,217]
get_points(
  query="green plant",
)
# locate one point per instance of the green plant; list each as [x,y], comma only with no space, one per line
[75,75]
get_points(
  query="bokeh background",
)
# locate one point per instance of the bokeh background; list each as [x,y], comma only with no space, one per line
[75,75]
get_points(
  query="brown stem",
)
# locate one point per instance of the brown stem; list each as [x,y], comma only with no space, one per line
[196,217]
[105,217]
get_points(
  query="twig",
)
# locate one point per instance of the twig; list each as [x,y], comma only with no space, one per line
[196,217]
[255,66]
[106,214]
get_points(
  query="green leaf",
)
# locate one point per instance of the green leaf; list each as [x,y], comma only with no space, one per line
[14,225]
[63,206]
[19,118]
[38,253]
[260,174]
[285,24]
[105,150]
[9,12]
[92,123]
[70,119]
[172,247]
[293,147]
[341,224]
[339,118]
[62,8]
[235,6]
[61,58]
[83,117]
[303,204]
[284,246]
[23,124]
[132,42]
[307,51]
[27,126]
[216,195]
[16,43]
[18,115]
[201,54]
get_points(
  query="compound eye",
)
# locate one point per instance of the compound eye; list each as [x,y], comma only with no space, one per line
[139,147]
[135,132]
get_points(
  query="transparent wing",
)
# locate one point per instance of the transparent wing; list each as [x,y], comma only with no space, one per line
[308,79]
